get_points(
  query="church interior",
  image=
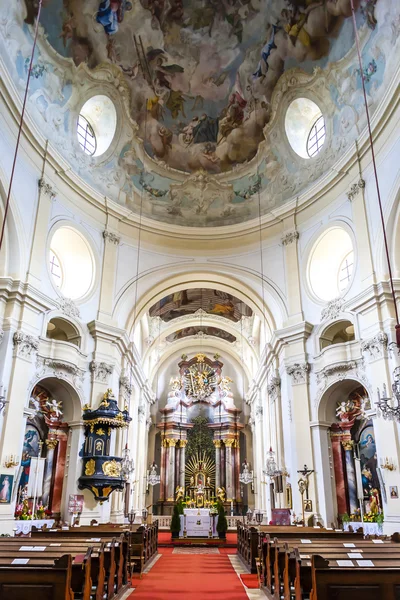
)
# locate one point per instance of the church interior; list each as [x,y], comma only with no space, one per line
[199,299]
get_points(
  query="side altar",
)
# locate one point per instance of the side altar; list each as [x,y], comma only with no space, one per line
[198,522]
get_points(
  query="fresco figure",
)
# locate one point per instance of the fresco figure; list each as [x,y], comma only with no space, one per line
[206,130]
[263,66]
[111,13]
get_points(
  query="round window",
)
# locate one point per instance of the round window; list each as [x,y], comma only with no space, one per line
[305,127]
[96,125]
[71,263]
[331,264]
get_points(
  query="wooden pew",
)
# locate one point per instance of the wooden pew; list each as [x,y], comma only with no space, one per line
[104,564]
[354,583]
[21,582]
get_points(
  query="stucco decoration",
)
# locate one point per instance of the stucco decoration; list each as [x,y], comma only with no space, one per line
[101,371]
[125,387]
[48,367]
[111,237]
[332,310]
[25,345]
[298,372]
[46,188]
[290,237]
[273,388]
[376,346]
[69,308]
[201,91]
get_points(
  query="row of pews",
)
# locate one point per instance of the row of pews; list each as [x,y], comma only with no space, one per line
[319,564]
[85,563]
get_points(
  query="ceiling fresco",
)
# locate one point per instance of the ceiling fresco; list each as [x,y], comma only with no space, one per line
[213,302]
[201,89]
[200,332]
[201,72]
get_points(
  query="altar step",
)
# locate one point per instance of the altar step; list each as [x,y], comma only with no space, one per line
[230,542]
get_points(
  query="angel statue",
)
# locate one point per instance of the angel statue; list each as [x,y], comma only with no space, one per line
[55,408]
[221,494]
[179,493]
[224,383]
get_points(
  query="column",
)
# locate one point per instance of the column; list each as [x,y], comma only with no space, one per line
[182,463]
[171,470]
[51,444]
[59,471]
[217,445]
[338,467]
[163,469]
[236,462]
[348,446]
[229,469]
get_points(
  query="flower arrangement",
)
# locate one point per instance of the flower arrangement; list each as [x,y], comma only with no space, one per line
[23,512]
[372,517]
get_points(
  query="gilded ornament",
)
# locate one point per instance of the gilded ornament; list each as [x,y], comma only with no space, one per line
[51,443]
[100,431]
[90,467]
[200,357]
[111,468]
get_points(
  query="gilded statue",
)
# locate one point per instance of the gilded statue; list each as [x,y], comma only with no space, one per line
[179,493]
[221,494]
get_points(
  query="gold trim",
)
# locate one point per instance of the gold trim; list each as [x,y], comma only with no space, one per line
[90,468]
[111,468]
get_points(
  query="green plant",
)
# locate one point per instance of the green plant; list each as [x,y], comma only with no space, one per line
[181,505]
[379,518]
[175,521]
[345,518]
[222,525]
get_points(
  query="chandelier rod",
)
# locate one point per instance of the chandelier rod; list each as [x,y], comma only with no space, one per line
[371,143]
[21,123]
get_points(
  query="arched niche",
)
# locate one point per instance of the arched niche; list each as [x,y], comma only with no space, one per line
[61,329]
[339,332]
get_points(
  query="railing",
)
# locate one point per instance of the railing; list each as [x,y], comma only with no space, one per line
[164,522]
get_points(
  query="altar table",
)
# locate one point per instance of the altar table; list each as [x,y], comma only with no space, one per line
[24,527]
[197,522]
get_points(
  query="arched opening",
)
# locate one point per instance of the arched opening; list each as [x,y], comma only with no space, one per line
[358,483]
[305,127]
[62,330]
[339,332]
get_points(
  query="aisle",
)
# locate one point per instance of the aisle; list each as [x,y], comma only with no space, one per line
[194,576]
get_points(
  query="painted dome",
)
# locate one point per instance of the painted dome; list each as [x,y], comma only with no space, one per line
[200,90]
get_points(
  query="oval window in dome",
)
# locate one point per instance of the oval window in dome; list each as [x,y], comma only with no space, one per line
[96,125]
[331,264]
[305,127]
[71,263]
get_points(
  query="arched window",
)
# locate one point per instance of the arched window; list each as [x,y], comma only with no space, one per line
[96,125]
[331,264]
[305,127]
[71,263]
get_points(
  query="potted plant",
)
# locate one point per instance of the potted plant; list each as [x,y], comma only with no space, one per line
[175,522]
[222,525]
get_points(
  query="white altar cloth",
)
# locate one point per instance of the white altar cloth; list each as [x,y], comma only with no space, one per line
[198,525]
[24,527]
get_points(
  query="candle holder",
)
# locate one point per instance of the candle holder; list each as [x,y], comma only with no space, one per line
[145,513]
[388,464]
[259,517]
[11,461]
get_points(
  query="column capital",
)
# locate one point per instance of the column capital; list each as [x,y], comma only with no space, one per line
[183,443]
[217,443]
[230,443]
[26,345]
[111,237]
[171,442]
[348,444]
[298,372]
[290,237]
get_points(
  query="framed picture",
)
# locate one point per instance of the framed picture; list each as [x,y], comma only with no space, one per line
[307,505]
[394,492]
[6,486]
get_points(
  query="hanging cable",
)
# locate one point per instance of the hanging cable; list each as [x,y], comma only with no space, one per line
[21,122]
[371,143]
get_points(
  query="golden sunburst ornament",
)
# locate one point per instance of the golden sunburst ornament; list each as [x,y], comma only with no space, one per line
[201,462]
[200,357]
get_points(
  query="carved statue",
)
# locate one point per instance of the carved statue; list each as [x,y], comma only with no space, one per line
[221,494]
[224,384]
[179,494]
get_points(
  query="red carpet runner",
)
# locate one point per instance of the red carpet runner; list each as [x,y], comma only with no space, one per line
[194,576]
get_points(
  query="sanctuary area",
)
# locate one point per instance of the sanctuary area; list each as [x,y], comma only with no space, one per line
[199,299]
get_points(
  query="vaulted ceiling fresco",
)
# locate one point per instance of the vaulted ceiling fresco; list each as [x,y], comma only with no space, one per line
[201,72]
[200,332]
[213,302]
[201,89]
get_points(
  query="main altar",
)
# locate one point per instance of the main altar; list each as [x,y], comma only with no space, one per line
[200,441]
[198,522]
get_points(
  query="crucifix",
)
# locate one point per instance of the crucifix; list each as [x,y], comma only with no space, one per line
[303,484]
